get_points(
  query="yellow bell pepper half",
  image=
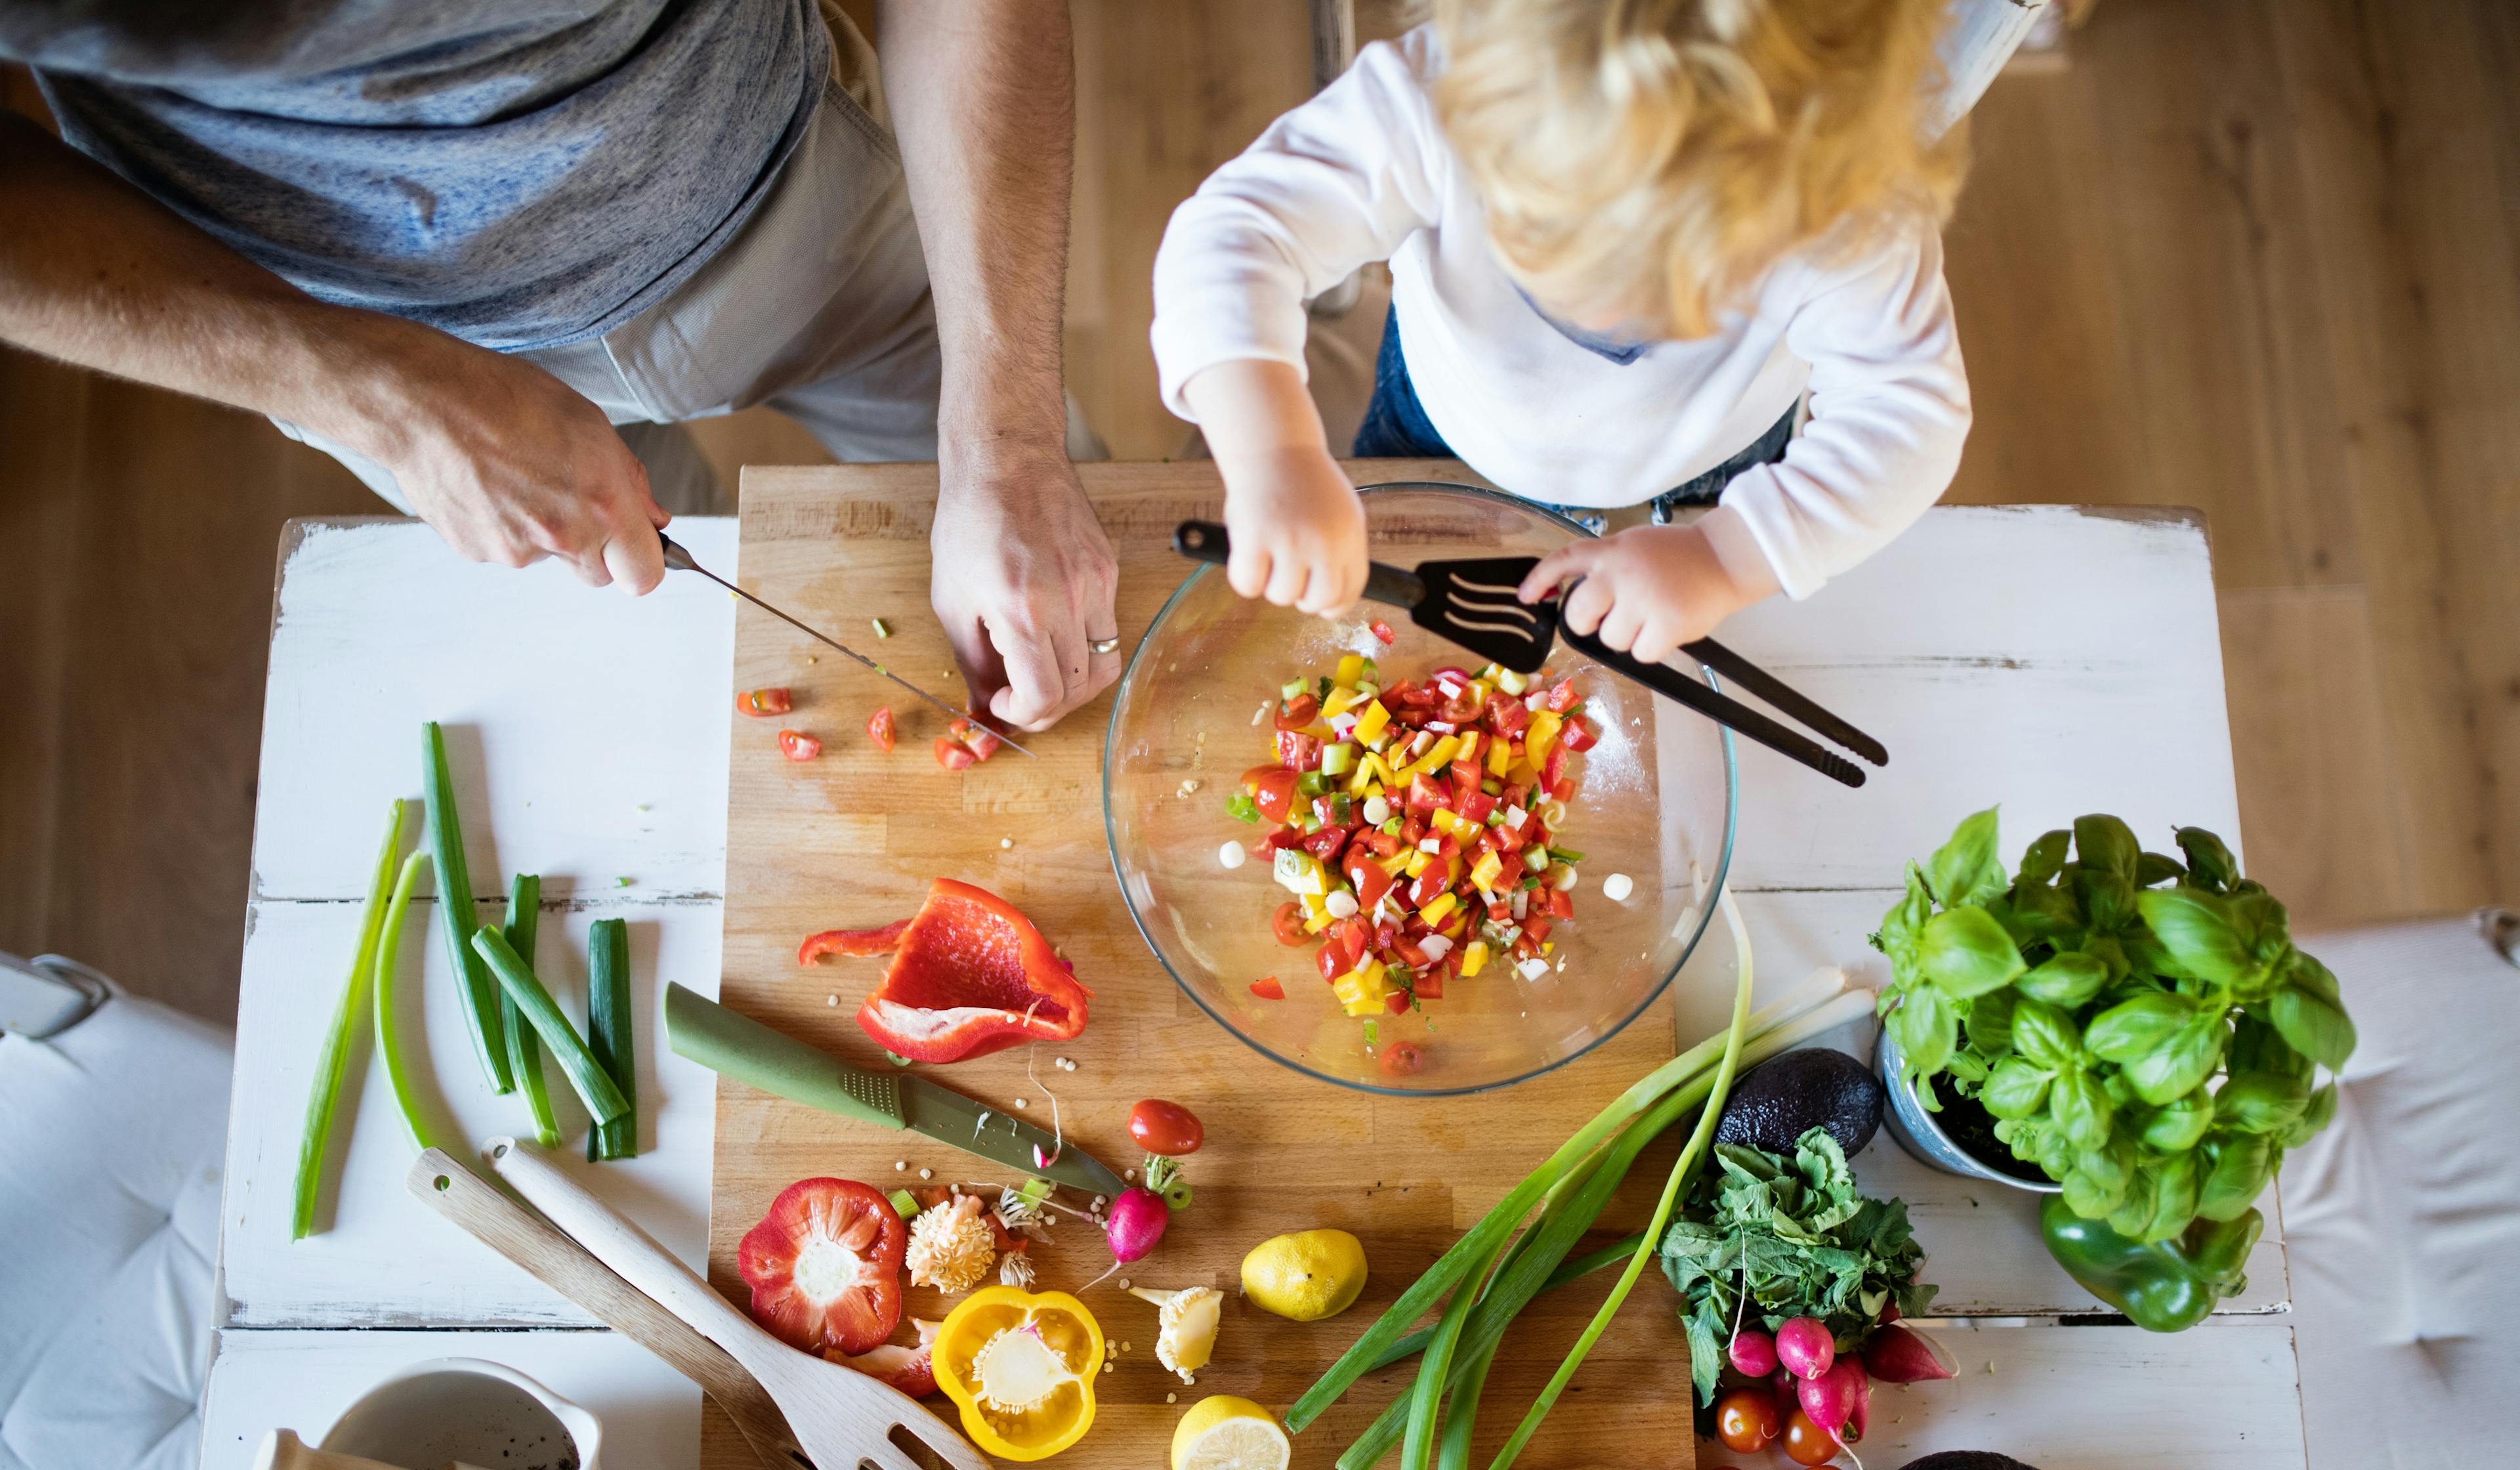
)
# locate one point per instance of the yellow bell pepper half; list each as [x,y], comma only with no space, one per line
[1021,1366]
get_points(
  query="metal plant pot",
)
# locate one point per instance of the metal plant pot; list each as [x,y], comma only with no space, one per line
[1921,1134]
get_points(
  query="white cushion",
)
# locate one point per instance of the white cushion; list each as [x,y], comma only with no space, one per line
[2403,1220]
[111,1136]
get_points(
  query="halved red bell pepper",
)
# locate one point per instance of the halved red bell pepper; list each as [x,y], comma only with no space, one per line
[970,975]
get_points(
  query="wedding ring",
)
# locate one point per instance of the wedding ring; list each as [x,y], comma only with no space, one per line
[1104,646]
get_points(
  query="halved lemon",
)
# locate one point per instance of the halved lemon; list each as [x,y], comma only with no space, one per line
[1222,1432]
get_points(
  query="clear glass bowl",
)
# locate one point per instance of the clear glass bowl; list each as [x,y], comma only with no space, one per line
[1655,799]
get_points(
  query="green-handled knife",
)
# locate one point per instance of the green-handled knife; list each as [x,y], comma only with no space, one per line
[741,1048]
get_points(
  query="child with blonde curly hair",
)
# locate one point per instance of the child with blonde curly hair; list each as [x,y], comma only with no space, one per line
[1627,238]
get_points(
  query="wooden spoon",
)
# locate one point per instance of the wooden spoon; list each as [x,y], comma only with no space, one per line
[841,1416]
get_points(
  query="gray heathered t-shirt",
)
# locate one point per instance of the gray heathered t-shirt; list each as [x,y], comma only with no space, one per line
[520,173]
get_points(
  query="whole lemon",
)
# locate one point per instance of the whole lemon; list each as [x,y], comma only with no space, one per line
[1305,1276]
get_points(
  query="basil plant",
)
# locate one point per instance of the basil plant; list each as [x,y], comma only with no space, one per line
[2140,1028]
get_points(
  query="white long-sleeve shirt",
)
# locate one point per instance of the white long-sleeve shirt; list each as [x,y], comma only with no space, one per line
[1363,172]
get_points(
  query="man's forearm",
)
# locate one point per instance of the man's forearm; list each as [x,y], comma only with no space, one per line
[96,273]
[983,94]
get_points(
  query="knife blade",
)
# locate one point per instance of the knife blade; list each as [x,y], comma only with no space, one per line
[756,1056]
[680,560]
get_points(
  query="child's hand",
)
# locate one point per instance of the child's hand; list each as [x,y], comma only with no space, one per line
[1646,591]
[1298,531]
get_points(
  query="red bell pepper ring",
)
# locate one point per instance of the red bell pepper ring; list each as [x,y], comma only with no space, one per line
[970,975]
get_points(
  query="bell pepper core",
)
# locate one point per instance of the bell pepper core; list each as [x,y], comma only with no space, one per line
[1021,1366]
[970,975]
[2169,1286]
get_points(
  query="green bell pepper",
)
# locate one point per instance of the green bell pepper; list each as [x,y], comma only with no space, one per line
[2168,1286]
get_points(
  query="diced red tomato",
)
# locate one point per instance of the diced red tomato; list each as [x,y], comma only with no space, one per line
[1466,774]
[1507,718]
[979,738]
[1561,695]
[1297,751]
[1553,771]
[1383,631]
[1411,828]
[1383,843]
[1561,903]
[797,745]
[1424,796]
[1417,700]
[765,704]
[1328,962]
[1409,952]
[1365,876]
[1298,712]
[879,727]
[1424,888]
[1289,921]
[1326,843]
[1283,838]
[1267,988]
[1462,708]
[1397,1002]
[1273,791]
[1577,737]
[954,756]
[1475,806]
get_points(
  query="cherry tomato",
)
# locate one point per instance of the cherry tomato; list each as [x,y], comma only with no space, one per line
[1267,988]
[1401,1060]
[797,745]
[1806,1444]
[980,740]
[1166,1128]
[879,727]
[1289,921]
[1273,791]
[1462,708]
[1745,1420]
[1383,631]
[765,704]
[1298,712]
[954,756]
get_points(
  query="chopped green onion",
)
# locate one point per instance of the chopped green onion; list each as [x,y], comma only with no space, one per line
[1035,1190]
[609,1035]
[1565,854]
[1530,881]
[1312,784]
[1290,689]
[904,1203]
[331,1063]
[455,913]
[1242,808]
[1392,827]
[881,631]
[423,1131]
[525,1053]
[1372,1033]
[896,1058]
[1338,758]
[594,1085]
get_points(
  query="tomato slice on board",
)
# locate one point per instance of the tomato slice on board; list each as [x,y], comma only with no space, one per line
[1166,1128]
[954,756]
[797,745]
[970,975]
[1289,921]
[765,704]
[1383,631]
[879,727]
[824,1266]
[1298,712]
[1267,988]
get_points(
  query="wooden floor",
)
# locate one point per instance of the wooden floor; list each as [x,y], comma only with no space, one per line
[2258,256]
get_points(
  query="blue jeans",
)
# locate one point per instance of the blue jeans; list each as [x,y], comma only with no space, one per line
[1396,427]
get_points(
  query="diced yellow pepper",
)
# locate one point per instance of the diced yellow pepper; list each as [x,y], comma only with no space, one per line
[1318,923]
[1361,779]
[1469,750]
[1341,701]
[1542,734]
[1461,922]
[1499,756]
[1520,773]
[1315,905]
[1361,990]
[1351,668]
[1437,757]
[1371,724]
[1474,959]
[1395,863]
[1485,873]
[1445,819]
[1417,861]
[1436,909]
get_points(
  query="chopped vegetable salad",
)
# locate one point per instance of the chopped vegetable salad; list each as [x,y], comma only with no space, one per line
[1418,826]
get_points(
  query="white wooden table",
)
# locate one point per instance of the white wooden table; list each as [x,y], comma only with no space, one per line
[2058,660]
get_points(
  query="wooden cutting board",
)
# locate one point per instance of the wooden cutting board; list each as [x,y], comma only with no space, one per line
[851,840]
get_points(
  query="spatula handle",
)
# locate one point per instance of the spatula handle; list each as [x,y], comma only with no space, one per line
[1207,541]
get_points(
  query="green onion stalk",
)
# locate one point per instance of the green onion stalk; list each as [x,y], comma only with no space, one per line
[594,1085]
[314,1142]
[424,1131]
[525,1053]
[455,913]
[1569,1190]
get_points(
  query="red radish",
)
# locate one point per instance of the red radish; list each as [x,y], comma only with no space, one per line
[1136,1222]
[913,1370]
[1904,1355]
[1805,1348]
[1782,1384]
[1754,1352]
[1862,1416]
[824,1266]
[1829,1399]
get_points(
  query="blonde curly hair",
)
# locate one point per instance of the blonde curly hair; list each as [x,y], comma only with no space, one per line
[1649,160]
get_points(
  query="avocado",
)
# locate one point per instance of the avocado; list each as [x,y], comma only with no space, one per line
[1780,1099]
[1967,1459]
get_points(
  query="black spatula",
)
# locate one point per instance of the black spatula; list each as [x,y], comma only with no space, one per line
[1475,603]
